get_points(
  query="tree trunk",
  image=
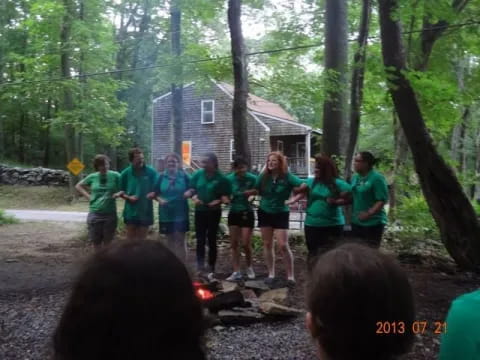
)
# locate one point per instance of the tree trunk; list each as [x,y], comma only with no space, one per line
[66,65]
[453,213]
[240,73]
[46,136]
[356,91]
[177,85]
[336,62]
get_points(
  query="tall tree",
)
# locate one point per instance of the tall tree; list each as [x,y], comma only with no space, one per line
[177,85]
[336,62]
[240,73]
[450,208]
[356,91]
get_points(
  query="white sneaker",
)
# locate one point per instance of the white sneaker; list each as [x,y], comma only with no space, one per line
[211,276]
[250,273]
[236,276]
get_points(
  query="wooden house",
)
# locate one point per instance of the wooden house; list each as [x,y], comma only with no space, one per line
[208,128]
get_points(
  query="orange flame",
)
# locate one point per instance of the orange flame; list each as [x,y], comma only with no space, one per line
[204,294]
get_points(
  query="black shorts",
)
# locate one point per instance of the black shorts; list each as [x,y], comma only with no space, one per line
[279,220]
[167,228]
[138,222]
[244,219]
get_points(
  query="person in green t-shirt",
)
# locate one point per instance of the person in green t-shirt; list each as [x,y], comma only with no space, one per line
[461,330]
[370,194]
[103,185]
[241,219]
[208,187]
[169,191]
[275,185]
[324,216]
[137,182]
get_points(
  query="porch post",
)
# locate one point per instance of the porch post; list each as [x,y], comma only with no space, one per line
[309,150]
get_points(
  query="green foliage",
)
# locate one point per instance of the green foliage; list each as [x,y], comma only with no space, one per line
[6,219]
[414,216]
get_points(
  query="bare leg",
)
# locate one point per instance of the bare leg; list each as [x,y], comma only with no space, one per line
[131,232]
[180,246]
[234,244]
[282,238]
[247,245]
[268,250]
[142,232]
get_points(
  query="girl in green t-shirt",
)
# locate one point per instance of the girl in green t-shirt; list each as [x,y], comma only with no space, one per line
[103,186]
[324,216]
[208,188]
[370,194]
[173,206]
[275,184]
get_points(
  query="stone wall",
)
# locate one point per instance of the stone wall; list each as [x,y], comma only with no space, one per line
[34,177]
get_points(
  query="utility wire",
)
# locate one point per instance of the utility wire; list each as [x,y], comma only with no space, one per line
[218,58]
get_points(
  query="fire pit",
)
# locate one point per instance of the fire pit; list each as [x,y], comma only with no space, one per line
[243,303]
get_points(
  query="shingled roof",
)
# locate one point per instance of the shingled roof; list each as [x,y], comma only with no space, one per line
[262,106]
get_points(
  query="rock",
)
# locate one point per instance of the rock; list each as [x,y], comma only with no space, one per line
[256,285]
[239,316]
[229,286]
[249,294]
[272,309]
[278,296]
[36,176]
[224,301]
[219,328]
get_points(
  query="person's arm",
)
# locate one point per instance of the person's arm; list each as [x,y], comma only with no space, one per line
[81,188]
[298,185]
[225,190]
[295,198]
[345,196]
[380,190]
[191,187]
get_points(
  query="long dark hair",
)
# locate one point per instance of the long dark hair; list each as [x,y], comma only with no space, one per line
[352,289]
[328,172]
[132,301]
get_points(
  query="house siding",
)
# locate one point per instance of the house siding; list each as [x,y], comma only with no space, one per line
[205,137]
[280,128]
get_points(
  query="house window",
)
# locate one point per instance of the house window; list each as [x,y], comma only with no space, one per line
[280,146]
[232,150]
[208,111]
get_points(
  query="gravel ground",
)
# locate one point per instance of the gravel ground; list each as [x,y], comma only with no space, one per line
[36,269]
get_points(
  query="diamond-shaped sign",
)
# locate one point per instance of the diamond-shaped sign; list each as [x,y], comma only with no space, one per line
[75,166]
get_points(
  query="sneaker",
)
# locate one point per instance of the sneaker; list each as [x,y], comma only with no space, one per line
[250,273]
[211,276]
[236,276]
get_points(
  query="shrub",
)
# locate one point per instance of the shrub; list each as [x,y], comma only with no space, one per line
[413,215]
[6,219]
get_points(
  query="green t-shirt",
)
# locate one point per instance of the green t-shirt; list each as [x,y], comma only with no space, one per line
[239,185]
[462,337]
[102,188]
[138,185]
[209,188]
[172,190]
[275,193]
[319,212]
[366,191]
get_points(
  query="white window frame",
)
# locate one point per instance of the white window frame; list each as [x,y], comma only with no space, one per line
[232,149]
[280,148]
[203,111]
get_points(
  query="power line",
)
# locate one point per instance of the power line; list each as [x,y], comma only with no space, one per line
[218,58]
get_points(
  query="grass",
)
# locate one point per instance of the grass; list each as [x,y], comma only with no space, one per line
[39,197]
[6,219]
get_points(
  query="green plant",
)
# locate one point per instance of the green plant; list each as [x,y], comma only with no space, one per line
[413,215]
[7,219]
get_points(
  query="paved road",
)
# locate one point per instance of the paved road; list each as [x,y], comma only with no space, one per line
[47,215]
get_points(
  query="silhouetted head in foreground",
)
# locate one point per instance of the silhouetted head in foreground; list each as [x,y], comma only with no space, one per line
[354,290]
[132,301]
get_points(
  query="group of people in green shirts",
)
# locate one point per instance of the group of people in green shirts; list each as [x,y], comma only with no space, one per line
[208,188]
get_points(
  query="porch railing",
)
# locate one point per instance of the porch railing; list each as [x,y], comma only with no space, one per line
[297,165]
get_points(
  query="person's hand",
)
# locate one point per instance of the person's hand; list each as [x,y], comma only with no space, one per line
[162,202]
[332,201]
[87,196]
[197,201]
[133,199]
[289,202]
[151,195]
[364,215]
[214,203]
[225,200]
[118,194]
[188,194]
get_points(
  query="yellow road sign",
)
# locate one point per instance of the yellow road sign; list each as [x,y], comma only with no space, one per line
[75,166]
